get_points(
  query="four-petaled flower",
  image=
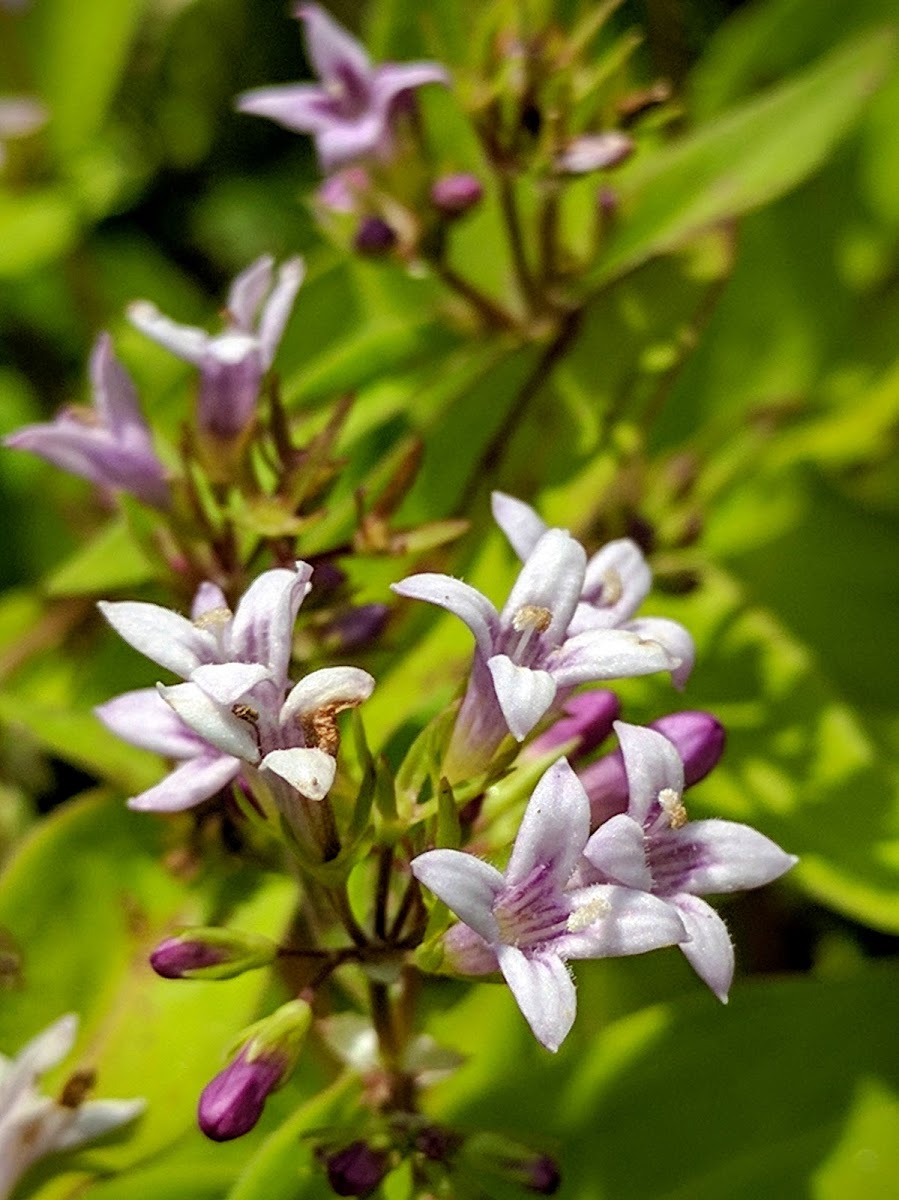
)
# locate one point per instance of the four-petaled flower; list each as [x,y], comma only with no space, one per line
[237,707]
[552,635]
[617,580]
[350,112]
[654,848]
[108,444]
[529,920]
[231,363]
[33,1125]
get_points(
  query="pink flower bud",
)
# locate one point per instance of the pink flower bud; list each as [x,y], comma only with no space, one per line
[454,195]
[374,236]
[587,717]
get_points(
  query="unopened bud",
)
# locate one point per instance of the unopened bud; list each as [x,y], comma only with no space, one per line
[492,1154]
[595,152]
[360,625]
[454,195]
[233,1101]
[211,954]
[374,236]
[698,738]
[356,1169]
[587,718]
[341,192]
[437,1143]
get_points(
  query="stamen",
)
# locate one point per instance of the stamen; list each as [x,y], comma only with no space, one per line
[588,914]
[215,619]
[531,617]
[673,807]
[245,713]
[612,587]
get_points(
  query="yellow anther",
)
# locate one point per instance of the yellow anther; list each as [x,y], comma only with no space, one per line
[531,617]
[673,807]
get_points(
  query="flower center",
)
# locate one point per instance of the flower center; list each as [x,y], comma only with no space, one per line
[528,622]
[588,914]
[673,807]
[532,912]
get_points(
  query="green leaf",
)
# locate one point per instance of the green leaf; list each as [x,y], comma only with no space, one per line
[79,53]
[741,160]
[35,228]
[112,560]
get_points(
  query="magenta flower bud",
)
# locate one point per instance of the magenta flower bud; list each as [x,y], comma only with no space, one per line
[361,625]
[545,1177]
[356,1170]
[233,1101]
[374,236]
[587,717]
[699,740]
[454,195]
[437,1143]
[211,954]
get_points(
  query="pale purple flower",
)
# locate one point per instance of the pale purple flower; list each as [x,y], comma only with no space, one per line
[20,116]
[454,195]
[33,1125]
[542,644]
[108,444]
[231,363]
[349,112]
[617,580]
[698,738]
[237,708]
[529,921]
[655,848]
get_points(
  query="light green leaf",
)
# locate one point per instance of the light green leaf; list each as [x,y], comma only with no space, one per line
[743,159]
[35,228]
[110,561]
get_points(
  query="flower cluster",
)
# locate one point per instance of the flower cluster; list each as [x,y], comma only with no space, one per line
[386,841]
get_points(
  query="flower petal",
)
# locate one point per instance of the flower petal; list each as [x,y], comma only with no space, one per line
[333,51]
[344,141]
[247,292]
[144,719]
[673,638]
[184,341]
[262,630]
[114,396]
[552,577]
[392,79]
[617,851]
[308,770]
[209,598]
[213,722]
[652,764]
[554,828]
[163,636]
[524,695]
[300,107]
[332,688]
[465,884]
[466,951]
[227,682]
[608,654]
[725,856]
[709,951]
[626,922]
[519,522]
[95,1118]
[616,583]
[456,597]
[278,308]
[194,781]
[543,990]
